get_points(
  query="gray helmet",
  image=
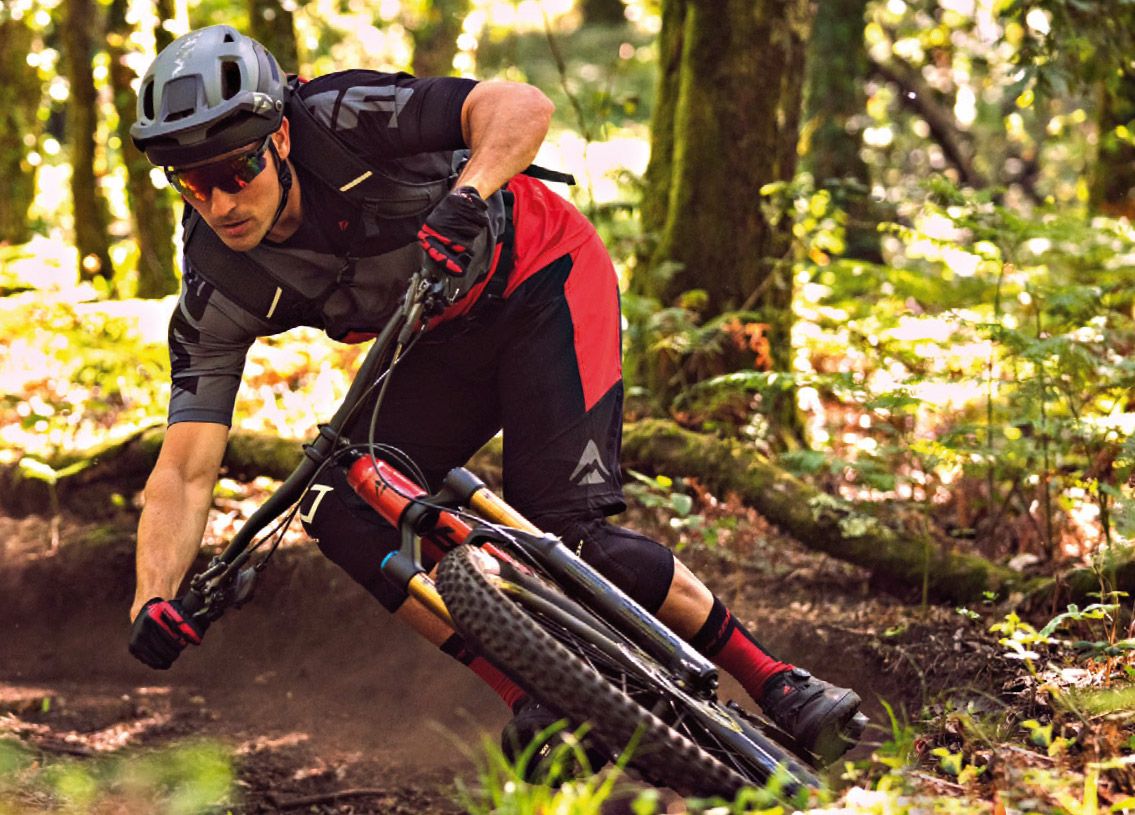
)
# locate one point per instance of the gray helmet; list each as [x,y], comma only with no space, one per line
[208,92]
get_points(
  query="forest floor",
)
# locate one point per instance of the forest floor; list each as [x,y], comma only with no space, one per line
[315,701]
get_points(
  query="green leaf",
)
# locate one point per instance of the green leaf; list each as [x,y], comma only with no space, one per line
[682,504]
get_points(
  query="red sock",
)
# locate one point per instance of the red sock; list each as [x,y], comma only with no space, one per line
[727,643]
[504,687]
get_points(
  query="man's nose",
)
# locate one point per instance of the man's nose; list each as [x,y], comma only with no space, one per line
[221,203]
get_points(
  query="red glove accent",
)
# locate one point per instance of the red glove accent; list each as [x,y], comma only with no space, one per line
[448,235]
[169,619]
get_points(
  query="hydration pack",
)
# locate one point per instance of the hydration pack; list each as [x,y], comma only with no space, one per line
[346,296]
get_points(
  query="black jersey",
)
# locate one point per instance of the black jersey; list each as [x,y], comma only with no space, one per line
[392,120]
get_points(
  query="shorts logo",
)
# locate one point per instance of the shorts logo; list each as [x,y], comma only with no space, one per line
[320,490]
[590,469]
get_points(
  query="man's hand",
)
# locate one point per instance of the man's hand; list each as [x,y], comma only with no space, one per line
[161,631]
[447,239]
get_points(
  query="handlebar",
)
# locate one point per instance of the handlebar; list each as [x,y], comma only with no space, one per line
[224,582]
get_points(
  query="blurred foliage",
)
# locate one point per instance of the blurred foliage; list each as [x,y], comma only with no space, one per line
[991,348]
[185,779]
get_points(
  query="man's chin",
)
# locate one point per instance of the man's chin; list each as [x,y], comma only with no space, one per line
[239,237]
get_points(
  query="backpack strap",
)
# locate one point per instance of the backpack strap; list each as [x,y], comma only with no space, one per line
[251,286]
[544,174]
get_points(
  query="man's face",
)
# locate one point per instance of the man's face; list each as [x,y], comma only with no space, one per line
[240,218]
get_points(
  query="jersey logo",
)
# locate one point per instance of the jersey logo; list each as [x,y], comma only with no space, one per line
[340,110]
[590,469]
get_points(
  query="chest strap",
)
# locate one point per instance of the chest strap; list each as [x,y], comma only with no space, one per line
[248,284]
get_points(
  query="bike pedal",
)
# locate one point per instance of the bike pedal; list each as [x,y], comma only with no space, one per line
[855,727]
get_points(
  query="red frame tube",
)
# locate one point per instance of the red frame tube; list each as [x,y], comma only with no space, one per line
[390,492]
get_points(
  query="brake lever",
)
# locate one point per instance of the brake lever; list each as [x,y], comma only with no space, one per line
[217,588]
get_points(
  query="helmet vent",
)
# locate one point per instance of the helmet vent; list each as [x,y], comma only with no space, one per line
[230,79]
[148,101]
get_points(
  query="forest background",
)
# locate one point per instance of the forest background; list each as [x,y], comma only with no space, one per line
[877,272]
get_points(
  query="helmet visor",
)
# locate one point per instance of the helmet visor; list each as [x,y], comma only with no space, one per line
[230,175]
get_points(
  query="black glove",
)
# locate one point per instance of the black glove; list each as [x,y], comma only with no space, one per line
[447,239]
[161,631]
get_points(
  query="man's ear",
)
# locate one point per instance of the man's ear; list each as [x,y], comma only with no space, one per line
[282,138]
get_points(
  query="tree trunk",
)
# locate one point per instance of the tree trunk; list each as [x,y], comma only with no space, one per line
[79,34]
[165,10]
[726,123]
[1112,181]
[733,128]
[835,98]
[151,210]
[273,26]
[603,12]
[435,37]
[659,170]
[19,97]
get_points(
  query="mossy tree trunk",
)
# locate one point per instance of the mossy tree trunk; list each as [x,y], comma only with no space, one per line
[19,99]
[80,33]
[273,26]
[435,36]
[151,209]
[659,171]
[1112,181]
[835,104]
[726,123]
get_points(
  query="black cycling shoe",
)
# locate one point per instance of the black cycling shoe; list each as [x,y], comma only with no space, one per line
[824,720]
[559,757]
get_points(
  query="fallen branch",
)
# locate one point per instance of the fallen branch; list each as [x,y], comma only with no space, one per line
[324,798]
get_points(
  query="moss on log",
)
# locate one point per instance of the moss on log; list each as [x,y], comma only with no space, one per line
[82,481]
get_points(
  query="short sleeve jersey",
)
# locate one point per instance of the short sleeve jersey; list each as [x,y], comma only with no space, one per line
[382,117]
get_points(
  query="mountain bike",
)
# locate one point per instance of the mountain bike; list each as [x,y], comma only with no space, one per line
[523,600]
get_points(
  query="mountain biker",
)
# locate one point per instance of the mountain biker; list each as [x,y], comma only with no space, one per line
[529,342]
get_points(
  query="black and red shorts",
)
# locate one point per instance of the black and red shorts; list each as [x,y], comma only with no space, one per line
[543,365]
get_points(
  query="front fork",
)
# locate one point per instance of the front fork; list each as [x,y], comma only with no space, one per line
[406,505]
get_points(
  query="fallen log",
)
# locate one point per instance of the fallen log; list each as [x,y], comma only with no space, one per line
[820,521]
[900,560]
[81,481]
[78,481]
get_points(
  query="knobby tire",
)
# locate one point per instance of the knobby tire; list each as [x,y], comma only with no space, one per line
[534,651]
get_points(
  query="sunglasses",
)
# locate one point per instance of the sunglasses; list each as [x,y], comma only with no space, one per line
[229,175]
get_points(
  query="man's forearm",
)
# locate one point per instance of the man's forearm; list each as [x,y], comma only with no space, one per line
[504,125]
[169,535]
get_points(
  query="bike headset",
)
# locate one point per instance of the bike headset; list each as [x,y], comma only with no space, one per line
[207,93]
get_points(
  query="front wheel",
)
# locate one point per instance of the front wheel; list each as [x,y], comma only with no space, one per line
[576,664]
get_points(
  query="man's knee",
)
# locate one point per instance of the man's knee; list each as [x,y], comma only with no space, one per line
[640,566]
[352,538]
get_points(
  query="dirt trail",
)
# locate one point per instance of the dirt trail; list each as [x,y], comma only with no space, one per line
[316,686]
[313,684]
